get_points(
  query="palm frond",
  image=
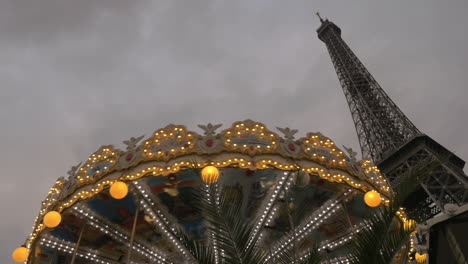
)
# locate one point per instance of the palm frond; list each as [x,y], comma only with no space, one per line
[313,256]
[229,230]
[302,206]
[377,243]
[200,251]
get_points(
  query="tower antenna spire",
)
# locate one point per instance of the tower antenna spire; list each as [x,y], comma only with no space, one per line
[318,14]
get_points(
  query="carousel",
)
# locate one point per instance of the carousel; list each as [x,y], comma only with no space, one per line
[129,206]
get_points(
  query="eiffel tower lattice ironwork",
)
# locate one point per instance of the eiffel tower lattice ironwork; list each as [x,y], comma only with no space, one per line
[388,137]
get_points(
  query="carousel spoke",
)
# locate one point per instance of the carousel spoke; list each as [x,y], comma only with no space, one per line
[343,238]
[339,241]
[269,207]
[160,210]
[160,219]
[74,250]
[311,223]
[339,260]
[119,234]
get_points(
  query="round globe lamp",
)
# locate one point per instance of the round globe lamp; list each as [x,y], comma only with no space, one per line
[210,174]
[420,258]
[20,254]
[118,190]
[372,199]
[52,219]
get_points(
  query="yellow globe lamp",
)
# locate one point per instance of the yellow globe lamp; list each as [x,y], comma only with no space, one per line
[118,190]
[420,258]
[20,254]
[52,219]
[372,199]
[210,174]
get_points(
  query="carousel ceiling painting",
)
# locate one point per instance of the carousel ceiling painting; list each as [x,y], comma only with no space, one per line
[125,206]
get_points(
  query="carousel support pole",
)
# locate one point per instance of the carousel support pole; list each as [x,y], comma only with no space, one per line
[77,245]
[133,234]
[345,209]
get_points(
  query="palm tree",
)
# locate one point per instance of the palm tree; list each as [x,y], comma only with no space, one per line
[232,240]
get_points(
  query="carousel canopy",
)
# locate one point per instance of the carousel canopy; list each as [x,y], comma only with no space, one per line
[162,172]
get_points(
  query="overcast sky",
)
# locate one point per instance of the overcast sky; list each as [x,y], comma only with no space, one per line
[78,74]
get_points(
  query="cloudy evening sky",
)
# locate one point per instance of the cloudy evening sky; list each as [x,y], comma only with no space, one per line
[78,74]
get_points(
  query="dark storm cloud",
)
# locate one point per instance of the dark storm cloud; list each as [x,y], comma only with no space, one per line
[79,74]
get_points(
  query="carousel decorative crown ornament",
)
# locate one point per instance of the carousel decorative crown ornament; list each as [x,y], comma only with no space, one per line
[126,206]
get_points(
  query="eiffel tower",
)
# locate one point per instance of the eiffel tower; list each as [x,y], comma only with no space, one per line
[389,138]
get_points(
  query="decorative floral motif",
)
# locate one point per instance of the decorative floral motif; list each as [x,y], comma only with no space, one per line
[71,182]
[209,130]
[288,145]
[72,172]
[288,133]
[250,137]
[352,154]
[131,143]
[128,157]
[210,142]
[169,142]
